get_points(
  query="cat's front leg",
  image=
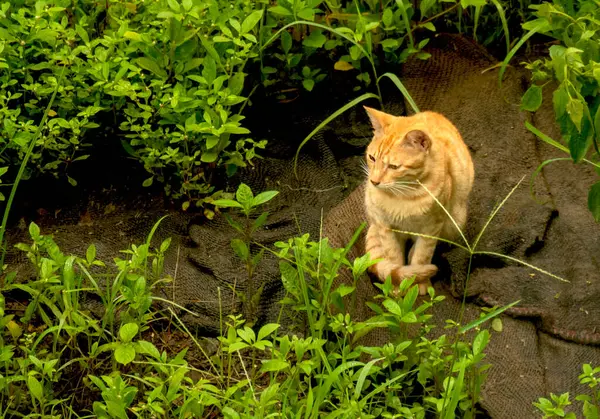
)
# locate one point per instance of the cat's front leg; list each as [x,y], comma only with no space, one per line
[420,264]
[382,243]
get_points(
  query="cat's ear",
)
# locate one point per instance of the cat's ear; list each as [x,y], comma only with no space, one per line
[379,120]
[417,139]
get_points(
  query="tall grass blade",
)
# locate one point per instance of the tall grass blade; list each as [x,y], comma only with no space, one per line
[476,21]
[504,23]
[427,236]
[406,20]
[535,268]
[491,217]
[317,25]
[456,391]
[449,216]
[363,376]
[487,317]
[545,138]
[402,89]
[15,185]
[555,143]
[511,54]
[330,118]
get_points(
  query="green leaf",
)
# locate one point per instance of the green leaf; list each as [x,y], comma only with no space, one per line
[264,197]
[266,330]
[227,203]
[430,26]
[148,182]
[344,290]
[82,34]
[532,99]
[90,254]
[315,40]
[128,331]
[187,5]
[390,43]
[481,341]
[393,307]
[247,334]
[35,388]
[34,230]
[280,10]
[575,111]
[388,16]
[174,5]
[579,142]
[209,70]
[125,353]
[560,99]
[250,22]
[209,156]
[289,278]
[236,83]
[229,413]
[410,298]
[134,36]
[590,411]
[147,348]
[286,41]
[274,365]
[308,84]
[241,249]
[426,5]
[244,195]
[488,316]
[497,325]
[594,201]
[150,65]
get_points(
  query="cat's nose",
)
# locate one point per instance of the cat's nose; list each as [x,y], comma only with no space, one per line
[375,183]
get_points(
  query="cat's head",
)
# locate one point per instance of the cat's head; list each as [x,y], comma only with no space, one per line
[396,157]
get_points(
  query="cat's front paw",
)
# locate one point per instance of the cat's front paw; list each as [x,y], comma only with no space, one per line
[421,273]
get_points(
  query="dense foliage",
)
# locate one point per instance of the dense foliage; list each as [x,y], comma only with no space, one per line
[61,359]
[171,78]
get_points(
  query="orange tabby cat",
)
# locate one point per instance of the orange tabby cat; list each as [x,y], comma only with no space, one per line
[424,147]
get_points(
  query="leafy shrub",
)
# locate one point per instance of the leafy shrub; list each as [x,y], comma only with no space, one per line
[573,66]
[168,76]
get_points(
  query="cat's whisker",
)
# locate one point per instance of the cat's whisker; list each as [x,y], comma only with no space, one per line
[365,168]
[404,187]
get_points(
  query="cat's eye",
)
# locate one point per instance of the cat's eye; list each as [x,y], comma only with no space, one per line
[371,157]
[393,166]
